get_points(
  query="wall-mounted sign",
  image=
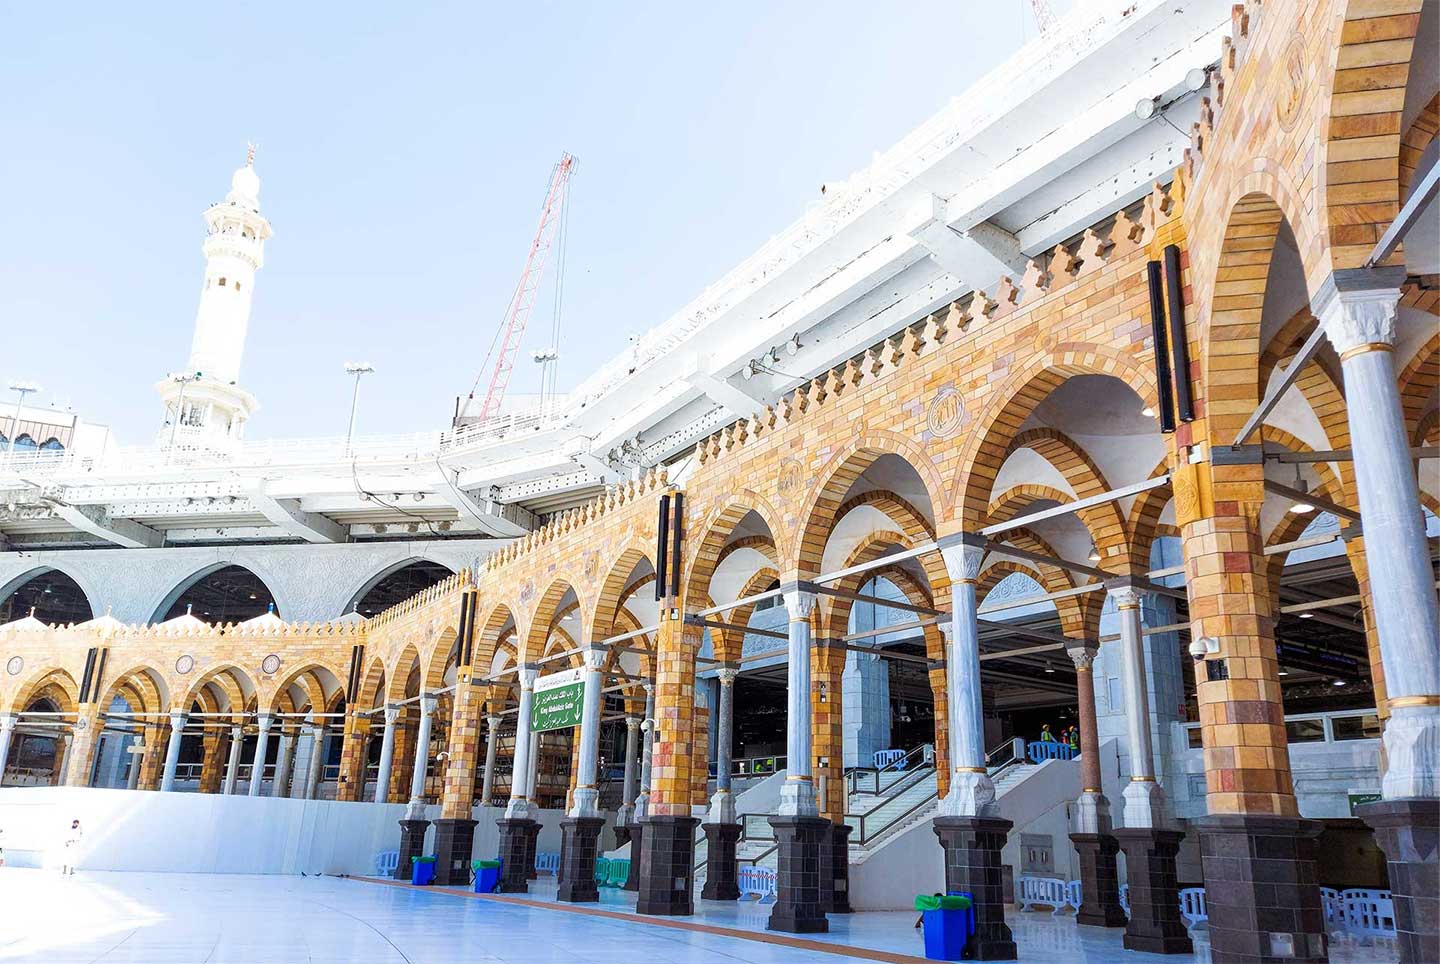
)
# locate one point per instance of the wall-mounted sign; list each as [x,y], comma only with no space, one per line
[559,699]
[1362,797]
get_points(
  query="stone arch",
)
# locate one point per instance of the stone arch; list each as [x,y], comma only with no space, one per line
[168,600]
[490,634]
[1106,524]
[617,586]
[821,509]
[48,679]
[148,684]
[307,679]
[1419,381]
[1359,173]
[24,578]
[728,643]
[373,685]
[546,613]
[715,533]
[916,529]
[399,672]
[1009,407]
[227,677]
[369,583]
[444,650]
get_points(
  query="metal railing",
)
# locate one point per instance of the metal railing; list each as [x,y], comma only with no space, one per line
[1336,726]
[915,760]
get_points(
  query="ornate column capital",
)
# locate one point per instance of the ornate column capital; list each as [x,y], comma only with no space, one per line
[529,673]
[727,675]
[493,721]
[594,657]
[237,732]
[632,722]
[1124,592]
[392,714]
[264,721]
[178,720]
[428,703]
[800,602]
[963,555]
[1083,656]
[1357,309]
[7,722]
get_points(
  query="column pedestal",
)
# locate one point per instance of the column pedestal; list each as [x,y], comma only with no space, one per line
[1261,888]
[1155,923]
[835,871]
[1409,833]
[797,903]
[972,865]
[579,843]
[412,844]
[514,849]
[532,841]
[622,835]
[1099,880]
[667,867]
[454,841]
[721,869]
[636,831]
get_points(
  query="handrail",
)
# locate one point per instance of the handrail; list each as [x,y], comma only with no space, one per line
[866,837]
[853,776]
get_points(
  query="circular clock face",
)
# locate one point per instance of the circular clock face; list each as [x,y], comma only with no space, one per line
[270,664]
[184,664]
[14,666]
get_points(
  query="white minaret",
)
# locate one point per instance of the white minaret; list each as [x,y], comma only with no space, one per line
[205,408]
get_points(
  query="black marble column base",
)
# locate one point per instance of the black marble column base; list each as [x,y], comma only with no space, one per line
[532,843]
[1099,880]
[579,846]
[1262,888]
[454,841]
[1155,923]
[412,844]
[515,857]
[797,891]
[667,867]
[1409,833]
[835,871]
[637,847]
[722,871]
[972,866]
[622,835]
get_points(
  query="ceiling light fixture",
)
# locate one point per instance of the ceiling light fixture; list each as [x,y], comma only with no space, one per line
[1338,682]
[1148,411]
[1094,553]
[1307,615]
[1048,667]
[1284,671]
[1300,508]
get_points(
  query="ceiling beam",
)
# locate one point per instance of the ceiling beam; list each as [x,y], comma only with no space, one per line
[287,514]
[98,522]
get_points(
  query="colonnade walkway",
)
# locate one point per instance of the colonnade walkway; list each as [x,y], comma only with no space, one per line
[227,919]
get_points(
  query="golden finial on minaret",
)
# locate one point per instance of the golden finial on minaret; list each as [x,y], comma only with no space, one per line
[250,157]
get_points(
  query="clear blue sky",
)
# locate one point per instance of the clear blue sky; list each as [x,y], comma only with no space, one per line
[404,152]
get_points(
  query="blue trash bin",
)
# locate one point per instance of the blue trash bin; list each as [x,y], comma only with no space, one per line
[422,871]
[487,876]
[946,929]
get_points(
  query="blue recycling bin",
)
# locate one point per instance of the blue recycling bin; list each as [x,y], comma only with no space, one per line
[487,876]
[948,923]
[422,871]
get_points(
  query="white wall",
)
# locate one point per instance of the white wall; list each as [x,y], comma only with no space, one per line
[212,833]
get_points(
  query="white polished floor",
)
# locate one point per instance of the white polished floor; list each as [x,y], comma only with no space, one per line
[220,919]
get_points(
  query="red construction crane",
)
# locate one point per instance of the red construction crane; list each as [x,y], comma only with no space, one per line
[517,316]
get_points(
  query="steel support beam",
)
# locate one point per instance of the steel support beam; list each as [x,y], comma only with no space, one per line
[287,514]
[1277,389]
[98,522]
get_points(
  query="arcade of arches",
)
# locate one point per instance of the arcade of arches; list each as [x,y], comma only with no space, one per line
[1028,507]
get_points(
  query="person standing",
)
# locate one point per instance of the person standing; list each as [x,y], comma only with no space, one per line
[71,849]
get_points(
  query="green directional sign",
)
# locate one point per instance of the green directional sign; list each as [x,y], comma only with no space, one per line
[559,699]
[1358,798]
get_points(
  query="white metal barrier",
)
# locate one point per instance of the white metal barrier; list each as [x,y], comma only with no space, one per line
[547,863]
[1368,913]
[1192,905]
[757,882]
[1051,891]
[385,863]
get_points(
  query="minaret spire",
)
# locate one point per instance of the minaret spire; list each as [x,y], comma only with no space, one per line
[205,407]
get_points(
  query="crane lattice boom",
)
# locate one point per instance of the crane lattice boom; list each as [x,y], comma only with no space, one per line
[517,316]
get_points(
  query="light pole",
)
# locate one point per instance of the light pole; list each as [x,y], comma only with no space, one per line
[546,359]
[182,381]
[357,369]
[22,389]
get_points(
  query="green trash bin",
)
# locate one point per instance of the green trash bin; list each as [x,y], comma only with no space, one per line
[422,871]
[487,876]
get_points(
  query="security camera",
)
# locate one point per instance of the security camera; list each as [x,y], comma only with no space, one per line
[1202,647]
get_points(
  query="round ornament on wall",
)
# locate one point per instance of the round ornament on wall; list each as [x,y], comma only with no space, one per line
[184,664]
[14,666]
[270,665]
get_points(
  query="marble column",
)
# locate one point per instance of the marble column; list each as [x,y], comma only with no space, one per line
[799,829]
[317,761]
[722,831]
[387,755]
[262,743]
[1092,839]
[1357,309]
[642,802]
[7,731]
[516,824]
[630,786]
[492,746]
[414,823]
[136,750]
[968,825]
[172,750]
[284,761]
[580,830]
[1150,845]
[67,743]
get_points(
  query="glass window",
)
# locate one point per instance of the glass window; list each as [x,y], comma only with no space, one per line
[1365,727]
[1195,738]
[52,445]
[25,443]
[1305,731]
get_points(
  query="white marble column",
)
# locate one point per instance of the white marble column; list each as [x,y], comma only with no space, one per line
[172,750]
[1144,805]
[519,806]
[136,750]
[416,809]
[232,762]
[492,746]
[722,804]
[67,740]
[262,744]
[532,776]
[797,794]
[586,801]
[972,793]
[629,787]
[387,755]
[1360,324]
[317,761]
[284,757]
[7,732]
[647,727]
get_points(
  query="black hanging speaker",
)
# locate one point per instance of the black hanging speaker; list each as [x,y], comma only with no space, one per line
[677,523]
[661,547]
[1179,345]
[1162,357]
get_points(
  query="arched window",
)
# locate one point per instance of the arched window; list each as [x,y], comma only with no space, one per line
[25,444]
[229,594]
[52,445]
[54,596]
